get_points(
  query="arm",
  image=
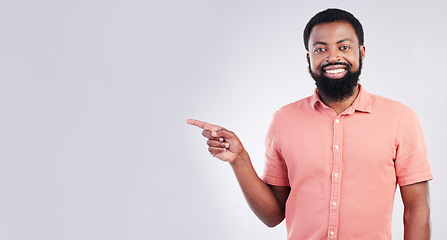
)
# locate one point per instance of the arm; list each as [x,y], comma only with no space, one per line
[268,203]
[416,211]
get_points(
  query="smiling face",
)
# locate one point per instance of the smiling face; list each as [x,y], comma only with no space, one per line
[331,43]
[335,59]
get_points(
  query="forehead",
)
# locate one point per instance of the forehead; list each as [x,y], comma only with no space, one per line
[332,33]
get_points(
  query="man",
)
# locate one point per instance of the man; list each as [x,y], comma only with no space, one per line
[333,159]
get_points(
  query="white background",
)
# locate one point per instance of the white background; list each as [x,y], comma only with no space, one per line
[94,96]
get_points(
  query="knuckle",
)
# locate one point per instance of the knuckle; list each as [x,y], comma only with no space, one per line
[205,133]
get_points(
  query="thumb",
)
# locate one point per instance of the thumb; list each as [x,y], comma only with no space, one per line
[224,133]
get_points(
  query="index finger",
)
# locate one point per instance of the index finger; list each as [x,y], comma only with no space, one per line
[203,125]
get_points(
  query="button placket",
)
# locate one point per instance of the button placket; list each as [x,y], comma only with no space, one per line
[336,180]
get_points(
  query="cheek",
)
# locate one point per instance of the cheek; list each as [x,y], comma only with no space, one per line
[355,63]
[354,60]
[313,68]
[315,63]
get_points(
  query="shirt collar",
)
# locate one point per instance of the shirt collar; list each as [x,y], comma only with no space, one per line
[362,103]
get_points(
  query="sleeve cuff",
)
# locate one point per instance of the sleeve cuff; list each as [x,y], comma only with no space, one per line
[415,179]
[275,181]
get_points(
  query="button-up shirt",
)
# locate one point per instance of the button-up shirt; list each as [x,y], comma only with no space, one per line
[343,169]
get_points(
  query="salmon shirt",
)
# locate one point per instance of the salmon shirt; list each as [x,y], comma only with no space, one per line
[343,170]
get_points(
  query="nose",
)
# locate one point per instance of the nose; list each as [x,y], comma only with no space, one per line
[333,56]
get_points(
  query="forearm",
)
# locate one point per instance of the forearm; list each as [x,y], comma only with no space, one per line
[258,194]
[417,223]
[226,146]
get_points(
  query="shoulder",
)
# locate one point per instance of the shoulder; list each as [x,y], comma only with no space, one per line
[393,111]
[387,104]
[296,106]
[290,113]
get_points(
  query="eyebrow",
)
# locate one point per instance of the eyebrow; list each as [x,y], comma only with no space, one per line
[323,43]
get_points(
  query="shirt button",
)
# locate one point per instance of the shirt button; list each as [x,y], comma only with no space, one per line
[336,147]
[334,204]
[337,120]
[335,174]
[332,233]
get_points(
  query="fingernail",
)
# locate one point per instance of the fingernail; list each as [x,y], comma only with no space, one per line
[227,145]
[221,139]
[213,133]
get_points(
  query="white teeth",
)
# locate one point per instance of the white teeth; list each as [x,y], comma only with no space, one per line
[334,71]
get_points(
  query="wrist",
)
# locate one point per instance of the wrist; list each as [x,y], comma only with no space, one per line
[241,158]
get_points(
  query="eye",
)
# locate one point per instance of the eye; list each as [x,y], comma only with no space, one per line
[345,48]
[317,50]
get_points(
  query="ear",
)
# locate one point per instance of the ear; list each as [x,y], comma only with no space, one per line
[362,51]
[308,57]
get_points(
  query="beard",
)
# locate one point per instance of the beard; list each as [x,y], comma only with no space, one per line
[336,90]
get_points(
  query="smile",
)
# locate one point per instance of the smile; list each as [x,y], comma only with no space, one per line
[335,71]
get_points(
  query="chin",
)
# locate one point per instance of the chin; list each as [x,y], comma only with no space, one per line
[336,89]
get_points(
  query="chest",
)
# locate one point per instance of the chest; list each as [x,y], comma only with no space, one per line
[312,146]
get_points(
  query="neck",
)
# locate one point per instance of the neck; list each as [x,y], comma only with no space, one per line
[342,105]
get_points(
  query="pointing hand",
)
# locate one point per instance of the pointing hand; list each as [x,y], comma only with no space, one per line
[222,144]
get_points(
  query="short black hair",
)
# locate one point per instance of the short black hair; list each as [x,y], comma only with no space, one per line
[333,15]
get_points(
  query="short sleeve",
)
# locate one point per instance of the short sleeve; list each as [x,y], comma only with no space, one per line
[275,169]
[411,161]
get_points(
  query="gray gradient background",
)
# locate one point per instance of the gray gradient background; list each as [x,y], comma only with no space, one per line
[94,96]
